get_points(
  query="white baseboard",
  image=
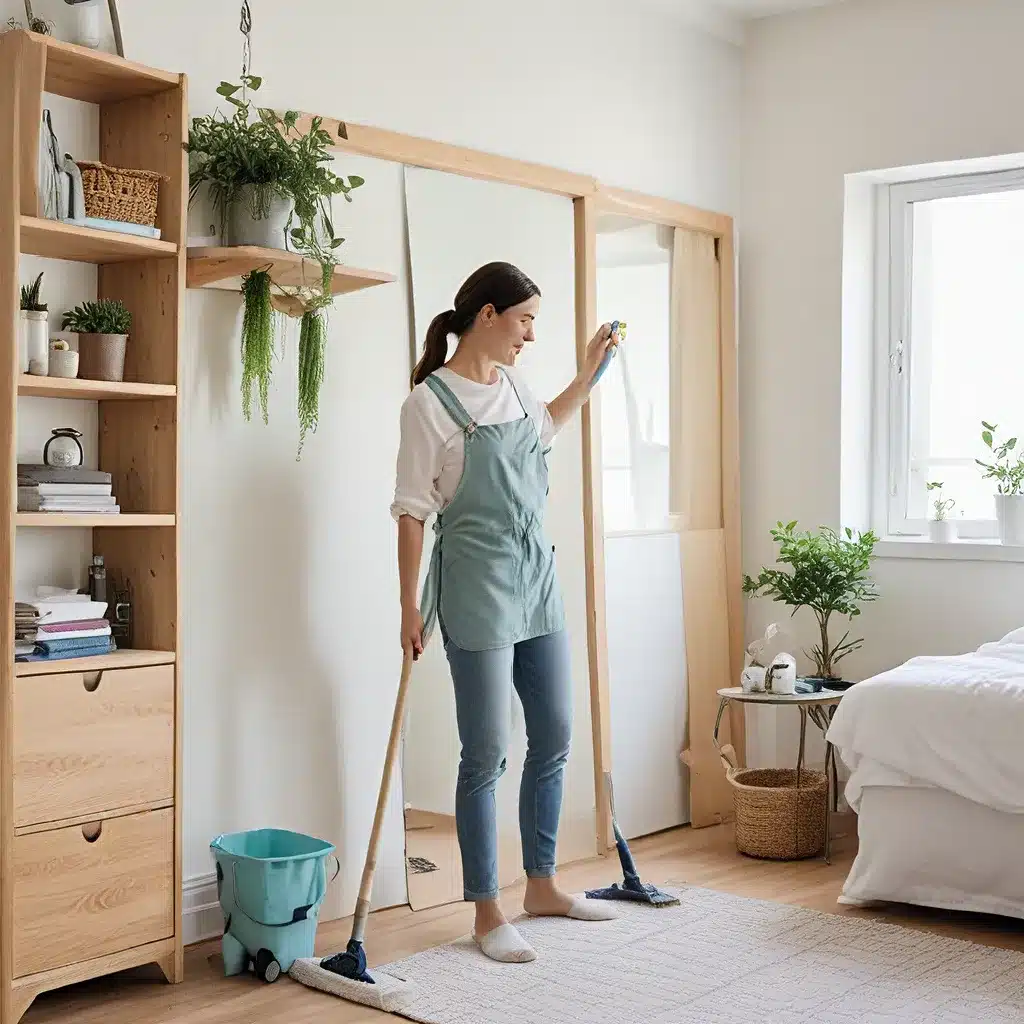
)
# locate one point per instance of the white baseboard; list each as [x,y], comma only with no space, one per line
[200,910]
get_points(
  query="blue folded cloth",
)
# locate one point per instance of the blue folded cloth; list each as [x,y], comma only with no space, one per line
[59,650]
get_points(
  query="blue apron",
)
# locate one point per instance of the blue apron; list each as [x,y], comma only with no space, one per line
[492,574]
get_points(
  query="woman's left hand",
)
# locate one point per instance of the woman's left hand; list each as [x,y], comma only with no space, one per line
[596,351]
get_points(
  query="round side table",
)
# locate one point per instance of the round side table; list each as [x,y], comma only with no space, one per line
[819,708]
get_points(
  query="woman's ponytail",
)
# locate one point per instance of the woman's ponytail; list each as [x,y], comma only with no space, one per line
[435,350]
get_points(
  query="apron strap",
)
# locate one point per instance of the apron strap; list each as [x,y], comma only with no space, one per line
[452,405]
[519,398]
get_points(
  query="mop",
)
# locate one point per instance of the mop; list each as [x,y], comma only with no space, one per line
[344,974]
[631,888]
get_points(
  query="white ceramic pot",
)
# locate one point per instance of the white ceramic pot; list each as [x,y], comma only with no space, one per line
[782,674]
[87,23]
[1010,513]
[752,679]
[36,332]
[63,363]
[941,531]
[270,232]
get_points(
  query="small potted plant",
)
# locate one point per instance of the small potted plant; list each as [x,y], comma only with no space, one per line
[941,529]
[754,667]
[830,574]
[1006,467]
[102,328]
[33,350]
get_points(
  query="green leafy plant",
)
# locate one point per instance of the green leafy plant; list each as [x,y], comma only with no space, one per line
[828,573]
[257,341]
[312,342]
[105,316]
[30,296]
[941,507]
[1007,466]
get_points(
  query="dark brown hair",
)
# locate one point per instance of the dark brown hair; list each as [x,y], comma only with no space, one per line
[500,285]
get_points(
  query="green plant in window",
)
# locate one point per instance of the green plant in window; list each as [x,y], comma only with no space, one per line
[941,507]
[1007,466]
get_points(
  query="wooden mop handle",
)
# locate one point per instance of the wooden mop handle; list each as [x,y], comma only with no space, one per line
[366,885]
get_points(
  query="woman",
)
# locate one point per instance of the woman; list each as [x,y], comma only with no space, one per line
[474,451]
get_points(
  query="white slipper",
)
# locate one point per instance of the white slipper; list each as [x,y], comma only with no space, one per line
[506,945]
[585,910]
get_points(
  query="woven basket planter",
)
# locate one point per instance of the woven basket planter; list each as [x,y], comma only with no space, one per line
[117,193]
[775,819]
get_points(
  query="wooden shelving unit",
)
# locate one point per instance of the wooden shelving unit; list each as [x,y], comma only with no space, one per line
[223,268]
[96,741]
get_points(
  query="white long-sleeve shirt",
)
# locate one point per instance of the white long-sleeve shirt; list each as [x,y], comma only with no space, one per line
[431,453]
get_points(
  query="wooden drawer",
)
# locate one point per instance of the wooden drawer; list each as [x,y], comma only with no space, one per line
[88,743]
[76,899]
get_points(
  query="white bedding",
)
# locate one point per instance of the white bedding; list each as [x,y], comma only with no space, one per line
[953,723]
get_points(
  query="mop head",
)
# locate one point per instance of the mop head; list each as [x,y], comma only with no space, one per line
[385,992]
[638,892]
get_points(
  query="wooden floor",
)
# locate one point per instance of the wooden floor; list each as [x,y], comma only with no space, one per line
[704,858]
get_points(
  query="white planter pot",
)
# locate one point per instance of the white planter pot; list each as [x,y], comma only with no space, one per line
[752,679]
[941,531]
[782,674]
[36,345]
[270,232]
[1010,513]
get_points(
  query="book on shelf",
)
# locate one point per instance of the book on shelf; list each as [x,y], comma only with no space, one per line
[103,224]
[75,495]
[59,625]
[29,475]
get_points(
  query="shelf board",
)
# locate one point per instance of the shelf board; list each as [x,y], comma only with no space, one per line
[64,387]
[59,241]
[99,663]
[223,266]
[88,520]
[97,77]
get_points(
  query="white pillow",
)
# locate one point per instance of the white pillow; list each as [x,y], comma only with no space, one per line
[1015,636]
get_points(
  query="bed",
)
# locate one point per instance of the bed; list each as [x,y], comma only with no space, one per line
[935,751]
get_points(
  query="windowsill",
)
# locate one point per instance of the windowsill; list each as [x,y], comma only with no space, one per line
[959,550]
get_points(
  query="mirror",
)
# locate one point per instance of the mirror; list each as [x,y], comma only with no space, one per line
[643,590]
[457,224]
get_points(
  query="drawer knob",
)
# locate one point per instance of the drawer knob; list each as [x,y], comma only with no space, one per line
[91,832]
[91,681]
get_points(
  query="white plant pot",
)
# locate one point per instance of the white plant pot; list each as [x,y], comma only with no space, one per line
[63,363]
[783,674]
[36,334]
[752,679]
[941,531]
[270,232]
[1010,513]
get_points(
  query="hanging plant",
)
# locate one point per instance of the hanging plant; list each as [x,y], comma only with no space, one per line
[257,341]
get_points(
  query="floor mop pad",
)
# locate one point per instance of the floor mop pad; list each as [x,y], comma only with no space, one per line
[632,888]
[384,992]
[344,974]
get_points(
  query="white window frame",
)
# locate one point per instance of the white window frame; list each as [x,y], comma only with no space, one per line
[897,424]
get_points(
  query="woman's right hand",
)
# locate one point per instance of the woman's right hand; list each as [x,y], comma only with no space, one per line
[412,632]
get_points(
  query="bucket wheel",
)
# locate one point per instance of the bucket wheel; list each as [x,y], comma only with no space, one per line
[266,966]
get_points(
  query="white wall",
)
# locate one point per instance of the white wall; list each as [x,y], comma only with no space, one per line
[291,601]
[863,85]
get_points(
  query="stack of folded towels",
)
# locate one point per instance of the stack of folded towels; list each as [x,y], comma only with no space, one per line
[57,625]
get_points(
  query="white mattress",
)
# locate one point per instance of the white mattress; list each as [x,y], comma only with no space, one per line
[951,723]
[931,848]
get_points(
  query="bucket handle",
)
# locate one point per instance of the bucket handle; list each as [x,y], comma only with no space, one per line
[298,914]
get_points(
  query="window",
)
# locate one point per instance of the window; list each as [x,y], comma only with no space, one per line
[951,343]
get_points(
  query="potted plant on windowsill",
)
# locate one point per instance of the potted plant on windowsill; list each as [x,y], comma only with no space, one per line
[272,186]
[941,529]
[1007,467]
[102,328]
[829,573]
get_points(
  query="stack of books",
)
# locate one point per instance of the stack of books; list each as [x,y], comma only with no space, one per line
[50,489]
[65,625]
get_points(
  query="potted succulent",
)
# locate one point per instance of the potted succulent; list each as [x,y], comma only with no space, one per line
[1006,467]
[272,186]
[102,328]
[828,573]
[34,335]
[941,529]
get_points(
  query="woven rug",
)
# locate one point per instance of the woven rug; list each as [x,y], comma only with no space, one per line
[720,959]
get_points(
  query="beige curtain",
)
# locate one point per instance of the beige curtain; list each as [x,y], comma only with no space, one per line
[695,495]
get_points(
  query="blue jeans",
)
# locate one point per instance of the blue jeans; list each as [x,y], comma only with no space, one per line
[541,673]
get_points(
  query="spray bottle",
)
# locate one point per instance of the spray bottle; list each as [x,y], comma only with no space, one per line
[618,336]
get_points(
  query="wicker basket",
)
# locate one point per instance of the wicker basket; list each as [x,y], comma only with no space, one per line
[776,819]
[116,193]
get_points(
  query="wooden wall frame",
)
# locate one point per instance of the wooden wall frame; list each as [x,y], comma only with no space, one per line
[590,198]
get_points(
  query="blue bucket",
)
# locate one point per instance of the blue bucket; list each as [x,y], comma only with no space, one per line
[271,884]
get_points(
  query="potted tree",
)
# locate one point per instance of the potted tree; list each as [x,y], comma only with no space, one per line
[1006,467]
[102,328]
[941,529]
[272,185]
[828,573]
[34,335]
